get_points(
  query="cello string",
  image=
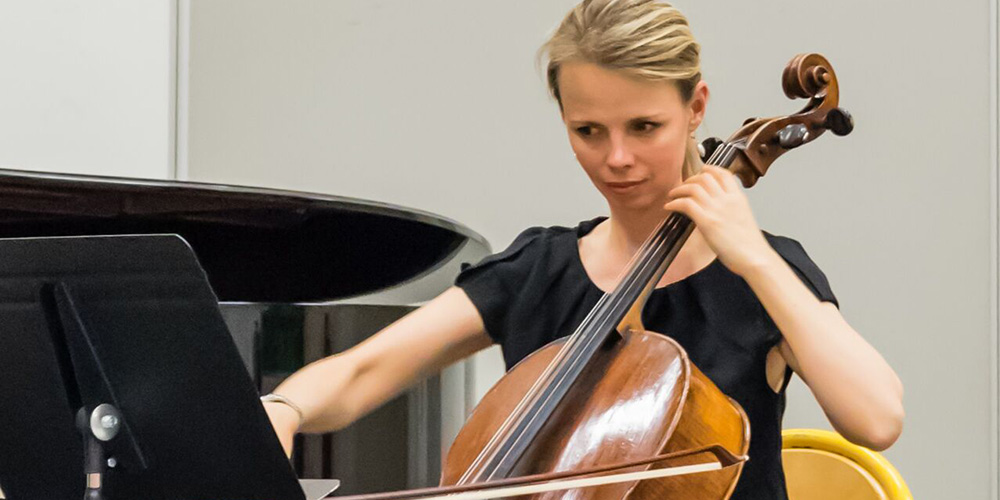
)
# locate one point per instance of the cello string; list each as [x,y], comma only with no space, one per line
[621,293]
[557,367]
[649,247]
[721,155]
[725,154]
[629,271]
[542,399]
[535,393]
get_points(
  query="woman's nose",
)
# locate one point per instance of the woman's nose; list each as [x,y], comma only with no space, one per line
[619,156]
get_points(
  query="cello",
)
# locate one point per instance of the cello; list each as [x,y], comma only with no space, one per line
[580,408]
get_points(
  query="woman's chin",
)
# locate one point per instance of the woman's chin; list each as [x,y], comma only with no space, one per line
[636,203]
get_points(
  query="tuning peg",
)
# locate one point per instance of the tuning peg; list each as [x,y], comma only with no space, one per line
[707,147]
[839,121]
[793,136]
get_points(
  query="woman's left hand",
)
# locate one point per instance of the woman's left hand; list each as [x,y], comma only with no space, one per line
[715,202]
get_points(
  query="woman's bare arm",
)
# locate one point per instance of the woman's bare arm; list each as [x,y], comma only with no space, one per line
[339,389]
[859,392]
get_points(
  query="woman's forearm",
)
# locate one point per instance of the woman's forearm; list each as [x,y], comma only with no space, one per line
[321,391]
[335,391]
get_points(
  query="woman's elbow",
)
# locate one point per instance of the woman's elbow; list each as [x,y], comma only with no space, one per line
[881,432]
[884,438]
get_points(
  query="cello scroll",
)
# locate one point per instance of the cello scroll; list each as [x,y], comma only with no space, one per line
[762,140]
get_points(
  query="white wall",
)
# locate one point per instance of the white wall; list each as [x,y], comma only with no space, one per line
[437,105]
[87,87]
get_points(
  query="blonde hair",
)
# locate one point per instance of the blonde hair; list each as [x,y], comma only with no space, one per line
[643,38]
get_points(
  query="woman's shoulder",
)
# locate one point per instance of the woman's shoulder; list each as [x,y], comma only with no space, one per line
[790,249]
[795,255]
[784,245]
[537,256]
[551,241]
[548,244]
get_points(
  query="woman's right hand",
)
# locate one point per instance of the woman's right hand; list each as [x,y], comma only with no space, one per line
[285,421]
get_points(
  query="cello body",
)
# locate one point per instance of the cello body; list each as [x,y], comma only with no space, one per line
[642,397]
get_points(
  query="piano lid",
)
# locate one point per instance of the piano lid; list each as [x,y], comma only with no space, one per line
[256,245]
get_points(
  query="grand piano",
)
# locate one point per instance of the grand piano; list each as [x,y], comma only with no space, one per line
[298,277]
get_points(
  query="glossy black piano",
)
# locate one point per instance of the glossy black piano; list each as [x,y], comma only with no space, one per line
[298,276]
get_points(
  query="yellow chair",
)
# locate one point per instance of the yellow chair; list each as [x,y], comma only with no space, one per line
[822,465]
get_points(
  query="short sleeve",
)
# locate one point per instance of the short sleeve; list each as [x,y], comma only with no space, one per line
[492,283]
[804,267]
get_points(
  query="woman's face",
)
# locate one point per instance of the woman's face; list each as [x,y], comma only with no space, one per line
[628,134]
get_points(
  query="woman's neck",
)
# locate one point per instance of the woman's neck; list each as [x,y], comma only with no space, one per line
[626,232]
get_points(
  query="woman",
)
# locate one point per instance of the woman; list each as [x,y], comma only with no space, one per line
[749,308]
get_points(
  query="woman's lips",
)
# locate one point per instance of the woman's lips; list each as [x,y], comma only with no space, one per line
[623,186]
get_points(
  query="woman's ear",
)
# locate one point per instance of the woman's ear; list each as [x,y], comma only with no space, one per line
[698,105]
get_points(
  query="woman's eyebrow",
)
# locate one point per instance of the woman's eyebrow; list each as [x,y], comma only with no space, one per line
[644,118]
[584,122]
[649,118]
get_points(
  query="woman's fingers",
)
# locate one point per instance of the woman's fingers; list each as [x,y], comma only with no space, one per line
[691,190]
[725,179]
[688,207]
[707,181]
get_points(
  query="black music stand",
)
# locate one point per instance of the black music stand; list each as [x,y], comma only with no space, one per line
[127,329]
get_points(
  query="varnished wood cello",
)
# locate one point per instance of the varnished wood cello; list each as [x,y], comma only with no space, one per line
[614,397]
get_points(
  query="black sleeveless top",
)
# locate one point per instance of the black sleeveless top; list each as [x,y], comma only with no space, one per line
[537,290]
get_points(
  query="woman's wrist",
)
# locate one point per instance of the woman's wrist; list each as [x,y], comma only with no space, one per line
[762,263]
[278,398]
[283,413]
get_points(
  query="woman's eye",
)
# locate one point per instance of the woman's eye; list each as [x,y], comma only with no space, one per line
[646,126]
